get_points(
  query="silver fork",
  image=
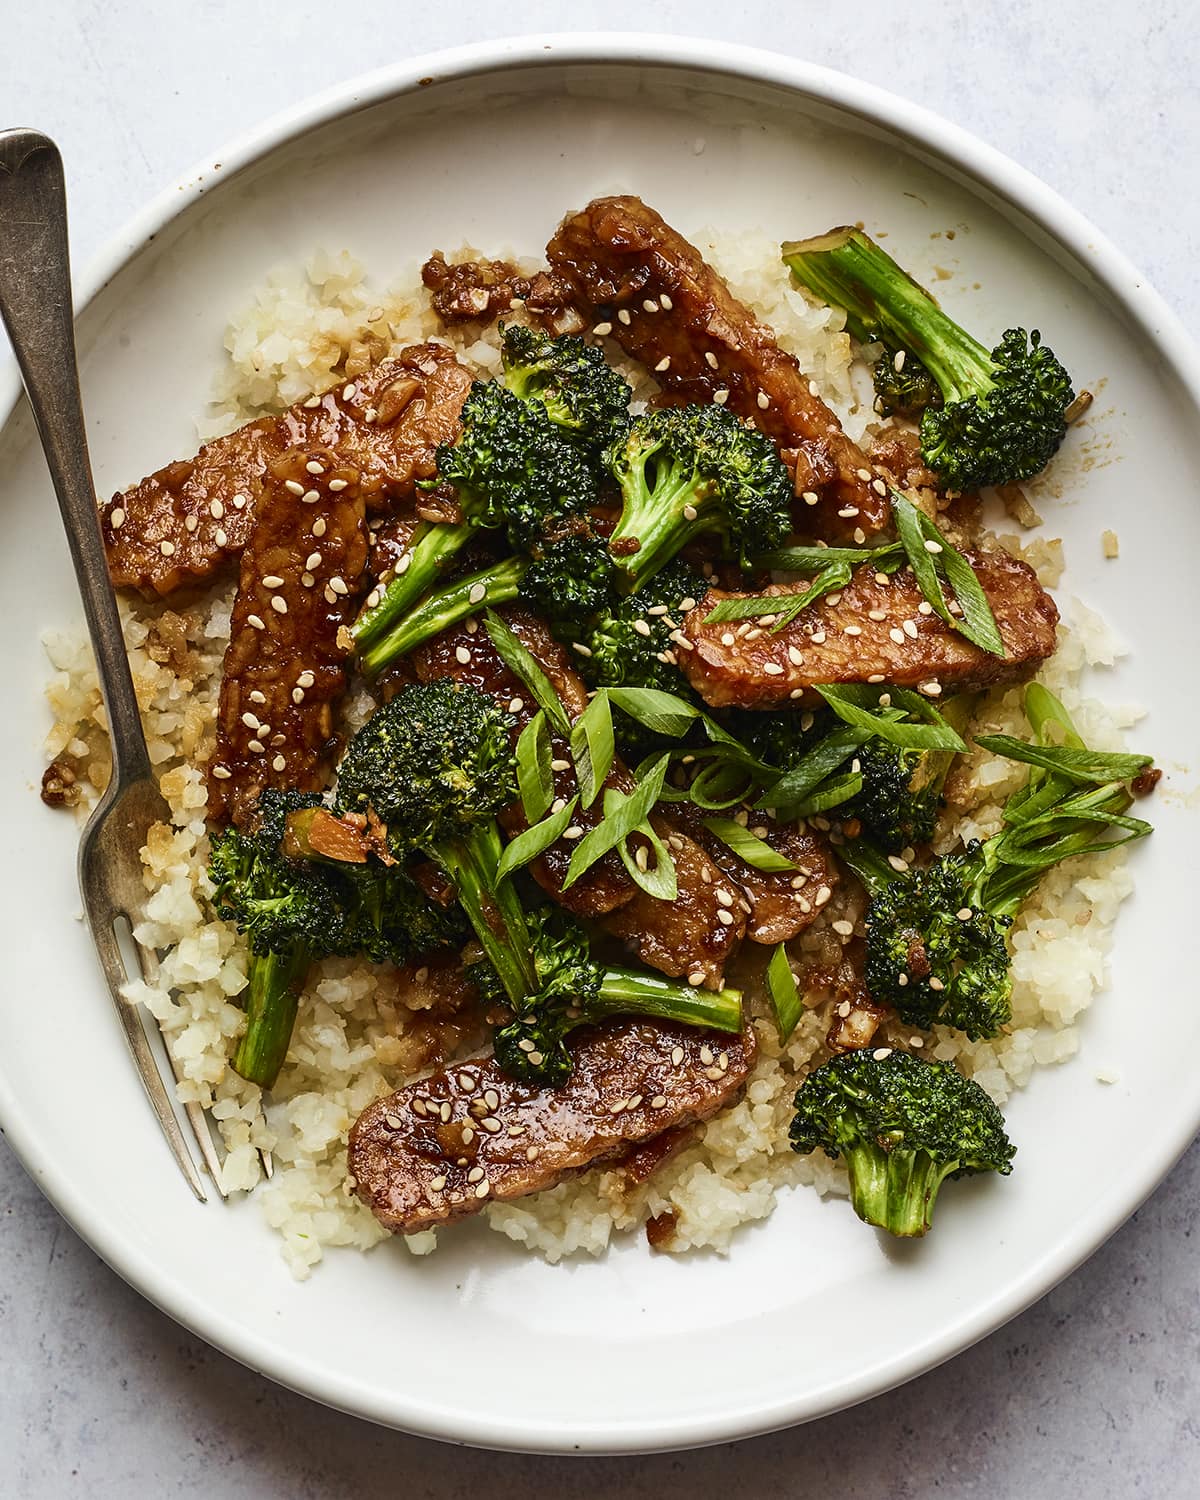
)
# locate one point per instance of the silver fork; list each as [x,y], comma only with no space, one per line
[35,306]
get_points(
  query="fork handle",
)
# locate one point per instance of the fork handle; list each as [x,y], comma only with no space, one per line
[35,306]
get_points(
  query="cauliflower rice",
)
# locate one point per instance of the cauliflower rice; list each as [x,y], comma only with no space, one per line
[307,330]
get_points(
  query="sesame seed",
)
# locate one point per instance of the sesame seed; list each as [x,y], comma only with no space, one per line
[658,1101]
[854,630]
[560,765]
[222,773]
[532,1153]
[602,330]
[117,519]
[279,763]
[897,635]
[796,693]
[725,919]
[822,895]
[574,832]
[250,720]
[818,637]
[880,1053]
[190,522]
[309,497]
[329,596]
[932,546]
[641,627]
[847,511]
[483,1189]
[964,914]
[256,747]
[475,1174]
[689,512]
[720,397]
[795,656]
[931,689]
[313,467]
[293,487]
[642,857]
[773,669]
[833,600]
[650,305]
[860,535]
[882,580]
[897,863]
[666,302]
[279,604]
[338,585]
[239,502]
[618,1106]
[623,317]
[924,608]
[167,549]
[663,364]
[876,677]
[255,621]
[935,983]
[558,804]
[462,655]
[711,358]
[312,561]
[478,591]
[257,697]
[338,485]
[348,391]
[864,475]
[297,695]
[843,928]
[515,705]
[706,1055]
[221,539]
[728,638]
[676,1055]
[306,679]
[437,1183]
[810,497]
[318,530]
[879,487]
[581,648]
[763,400]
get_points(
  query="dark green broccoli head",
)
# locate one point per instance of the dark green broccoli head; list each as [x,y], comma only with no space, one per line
[904,1126]
[512,468]
[935,953]
[631,640]
[434,762]
[687,470]
[778,737]
[906,390]
[1000,424]
[583,395]
[390,919]
[532,1047]
[897,806]
[569,582]
[281,904]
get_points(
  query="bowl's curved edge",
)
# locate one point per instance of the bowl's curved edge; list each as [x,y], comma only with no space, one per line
[940,139]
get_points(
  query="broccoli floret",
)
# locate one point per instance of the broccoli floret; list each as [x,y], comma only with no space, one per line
[904,1126]
[512,470]
[685,471]
[574,990]
[937,948]
[583,395]
[936,953]
[435,765]
[631,639]
[1001,416]
[569,582]
[289,912]
[296,909]
[900,800]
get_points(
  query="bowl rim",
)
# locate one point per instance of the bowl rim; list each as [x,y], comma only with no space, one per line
[950,145]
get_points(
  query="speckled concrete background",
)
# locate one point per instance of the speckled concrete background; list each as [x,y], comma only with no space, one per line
[1096,1391]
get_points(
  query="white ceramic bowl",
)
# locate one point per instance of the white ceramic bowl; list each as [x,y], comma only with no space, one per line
[811,1311]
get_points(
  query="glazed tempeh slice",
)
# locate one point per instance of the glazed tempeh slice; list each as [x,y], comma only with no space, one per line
[441,1149]
[878,629]
[180,526]
[285,666]
[653,292]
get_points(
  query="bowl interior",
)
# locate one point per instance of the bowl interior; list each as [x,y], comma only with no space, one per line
[811,1310]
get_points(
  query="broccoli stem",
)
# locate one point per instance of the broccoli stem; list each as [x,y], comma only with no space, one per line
[635,992]
[441,609]
[492,907]
[894,1190]
[846,268]
[433,544]
[654,519]
[271,999]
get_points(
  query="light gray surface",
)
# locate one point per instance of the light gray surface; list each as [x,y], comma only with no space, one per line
[1097,1389]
